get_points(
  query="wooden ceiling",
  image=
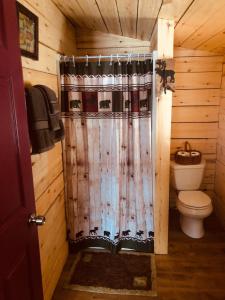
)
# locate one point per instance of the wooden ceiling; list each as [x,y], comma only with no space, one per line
[199,24]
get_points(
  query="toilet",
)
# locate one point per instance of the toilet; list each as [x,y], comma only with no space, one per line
[194,205]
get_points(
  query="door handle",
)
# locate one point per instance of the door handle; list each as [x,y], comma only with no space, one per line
[38,220]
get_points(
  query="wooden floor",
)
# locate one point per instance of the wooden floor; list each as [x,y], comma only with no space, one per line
[193,269]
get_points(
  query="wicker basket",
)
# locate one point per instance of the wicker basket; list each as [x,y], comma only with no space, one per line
[188,156]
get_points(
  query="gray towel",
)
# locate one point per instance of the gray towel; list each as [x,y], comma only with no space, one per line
[38,120]
[55,122]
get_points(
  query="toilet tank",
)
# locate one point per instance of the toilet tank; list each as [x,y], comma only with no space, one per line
[186,177]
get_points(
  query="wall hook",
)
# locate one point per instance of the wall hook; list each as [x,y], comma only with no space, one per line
[118,59]
[144,59]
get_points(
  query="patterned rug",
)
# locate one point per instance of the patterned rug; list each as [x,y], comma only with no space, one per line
[128,273]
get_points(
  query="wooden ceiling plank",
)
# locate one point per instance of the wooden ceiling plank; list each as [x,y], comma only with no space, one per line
[174,9]
[49,10]
[128,16]
[214,25]
[216,41]
[219,49]
[197,14]
[72,11]
[147,14]
[110,15]
[93,18]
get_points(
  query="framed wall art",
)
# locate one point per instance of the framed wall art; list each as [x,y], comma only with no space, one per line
[28,32]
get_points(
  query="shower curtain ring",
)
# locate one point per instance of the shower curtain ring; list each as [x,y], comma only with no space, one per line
[128,58]
[118,59]
[144,59]
[138,59]
[74,61]
[99,60]
[86,61]
[111,60]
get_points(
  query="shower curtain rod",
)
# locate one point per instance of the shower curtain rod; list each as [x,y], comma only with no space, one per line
[117,56]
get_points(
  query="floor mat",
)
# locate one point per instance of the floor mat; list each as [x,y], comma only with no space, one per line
[129,273]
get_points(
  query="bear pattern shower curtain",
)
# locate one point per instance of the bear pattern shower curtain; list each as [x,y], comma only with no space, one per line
[106,108]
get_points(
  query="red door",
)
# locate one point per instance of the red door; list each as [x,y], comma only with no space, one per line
[20,276]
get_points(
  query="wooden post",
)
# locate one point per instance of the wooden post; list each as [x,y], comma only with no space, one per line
[162,38]
[163,43]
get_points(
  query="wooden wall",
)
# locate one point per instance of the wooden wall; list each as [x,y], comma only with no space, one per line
[220,162]
[56,35]
[195,112]
[95,43]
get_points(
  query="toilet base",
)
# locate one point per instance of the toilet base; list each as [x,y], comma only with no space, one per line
[192,227]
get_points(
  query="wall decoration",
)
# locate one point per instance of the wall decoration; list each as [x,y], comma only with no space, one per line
[28,30]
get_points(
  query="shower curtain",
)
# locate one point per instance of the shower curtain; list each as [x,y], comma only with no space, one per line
[106,108]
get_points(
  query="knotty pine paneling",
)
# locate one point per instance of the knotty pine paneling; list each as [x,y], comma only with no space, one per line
[55,31]
[195,113]
[202,97]
[56,36]
[220,160]
[201,21]
[198,24]
[110,15]
[147,15]
[32,77]
[95,43]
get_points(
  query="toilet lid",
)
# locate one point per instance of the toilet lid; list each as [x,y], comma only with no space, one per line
[196,199]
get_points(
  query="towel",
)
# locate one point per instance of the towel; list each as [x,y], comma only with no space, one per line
[38,121]
[45,125]
[55,122]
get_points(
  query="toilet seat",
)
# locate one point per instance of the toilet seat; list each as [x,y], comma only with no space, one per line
[194,199]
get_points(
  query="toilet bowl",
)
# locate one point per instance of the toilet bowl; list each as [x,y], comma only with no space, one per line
[194,207]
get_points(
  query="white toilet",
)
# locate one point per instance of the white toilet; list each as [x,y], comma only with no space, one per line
[192,204]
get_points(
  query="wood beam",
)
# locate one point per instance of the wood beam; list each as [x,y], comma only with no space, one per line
[161,205]
[163,43]
[163,38]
